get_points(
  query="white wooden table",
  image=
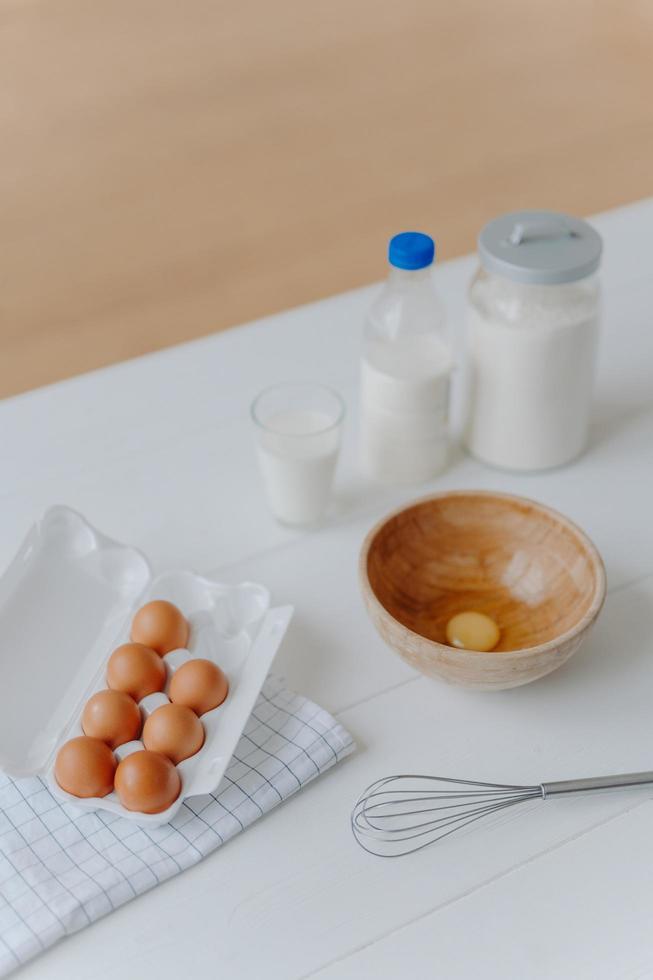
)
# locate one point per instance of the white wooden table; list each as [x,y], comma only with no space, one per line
[158,452]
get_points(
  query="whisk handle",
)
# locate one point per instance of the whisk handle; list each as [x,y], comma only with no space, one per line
[597,782]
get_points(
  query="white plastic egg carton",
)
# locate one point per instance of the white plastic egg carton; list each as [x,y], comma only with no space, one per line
[67,601]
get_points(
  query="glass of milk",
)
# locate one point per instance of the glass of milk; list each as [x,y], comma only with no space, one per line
[298,430]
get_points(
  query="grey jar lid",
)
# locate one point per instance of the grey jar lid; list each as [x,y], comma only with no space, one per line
[540,247]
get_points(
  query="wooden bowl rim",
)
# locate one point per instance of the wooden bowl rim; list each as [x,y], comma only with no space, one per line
[596,562]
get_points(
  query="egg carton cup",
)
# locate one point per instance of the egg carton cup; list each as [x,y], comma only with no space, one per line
[67,601]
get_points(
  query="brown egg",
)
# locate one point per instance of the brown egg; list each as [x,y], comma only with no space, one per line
[161,626]
[85,767]
[147,782]
[175,731]
[137,670]
[113,717]
[200,685]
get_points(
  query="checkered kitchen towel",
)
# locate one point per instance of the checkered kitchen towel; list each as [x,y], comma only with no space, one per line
[62,868]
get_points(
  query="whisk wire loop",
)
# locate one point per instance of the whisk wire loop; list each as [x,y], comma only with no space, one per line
[390,821]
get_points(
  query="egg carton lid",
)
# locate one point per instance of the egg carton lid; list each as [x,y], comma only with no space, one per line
[65,600]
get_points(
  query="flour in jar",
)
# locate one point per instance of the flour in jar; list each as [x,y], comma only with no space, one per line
[532,338]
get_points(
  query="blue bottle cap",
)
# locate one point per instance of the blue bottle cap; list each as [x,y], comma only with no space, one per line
[411,250]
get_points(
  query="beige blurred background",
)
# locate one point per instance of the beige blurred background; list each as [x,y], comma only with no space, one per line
[169,169]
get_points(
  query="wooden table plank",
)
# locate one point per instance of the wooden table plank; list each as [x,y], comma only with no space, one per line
[158,453]
[295,892]
[581,911]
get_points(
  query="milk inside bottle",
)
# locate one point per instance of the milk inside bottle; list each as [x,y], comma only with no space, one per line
[406,369]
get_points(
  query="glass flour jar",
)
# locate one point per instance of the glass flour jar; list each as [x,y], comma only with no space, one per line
[532,337]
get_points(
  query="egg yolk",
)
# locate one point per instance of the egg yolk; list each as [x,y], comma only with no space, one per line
[472,631]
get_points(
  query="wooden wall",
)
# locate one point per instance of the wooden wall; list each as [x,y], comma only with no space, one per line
[168,169]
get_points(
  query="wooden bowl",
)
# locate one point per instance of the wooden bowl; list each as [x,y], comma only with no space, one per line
[529,568]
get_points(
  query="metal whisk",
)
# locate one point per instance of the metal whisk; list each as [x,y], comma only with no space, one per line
[400,814]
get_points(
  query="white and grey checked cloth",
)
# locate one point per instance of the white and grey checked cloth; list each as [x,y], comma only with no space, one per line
[61,868]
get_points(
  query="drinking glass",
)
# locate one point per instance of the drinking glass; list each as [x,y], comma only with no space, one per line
[298,431]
